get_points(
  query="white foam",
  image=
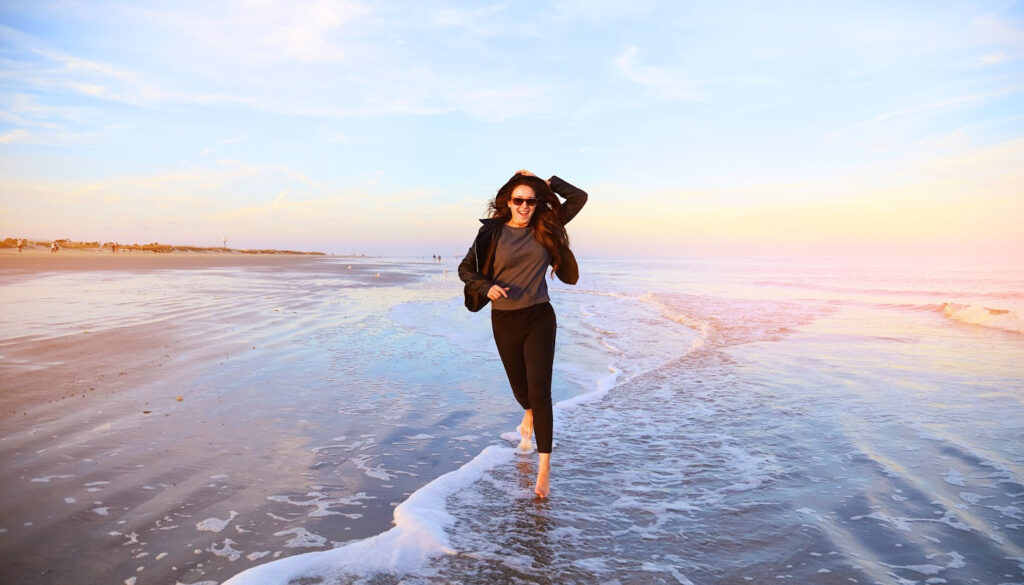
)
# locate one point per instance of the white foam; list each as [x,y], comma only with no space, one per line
[1008,320]
[953,477]
[302,538]
[603,386]
[417,536]
[972,498]
[322,503]
[46,479]
[215,524]
[375,472]
[226,550]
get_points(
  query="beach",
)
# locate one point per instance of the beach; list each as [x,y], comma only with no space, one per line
[207,418]
[143,393]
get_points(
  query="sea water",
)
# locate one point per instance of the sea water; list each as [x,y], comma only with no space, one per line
[717,421]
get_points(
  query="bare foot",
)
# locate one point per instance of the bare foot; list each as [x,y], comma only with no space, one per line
[543,487]
[526,431]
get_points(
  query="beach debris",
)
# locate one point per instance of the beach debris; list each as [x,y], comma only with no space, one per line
[377,275]
[147,411]
[179,398]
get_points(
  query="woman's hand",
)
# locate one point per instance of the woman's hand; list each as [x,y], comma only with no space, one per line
[529,174]
[497,292]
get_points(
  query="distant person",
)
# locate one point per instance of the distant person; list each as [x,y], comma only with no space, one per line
[21,244]
[54,248]
[506,266]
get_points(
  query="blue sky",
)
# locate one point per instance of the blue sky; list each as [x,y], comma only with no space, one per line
[698,128]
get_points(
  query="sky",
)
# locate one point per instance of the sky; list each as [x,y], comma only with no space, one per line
[697,128]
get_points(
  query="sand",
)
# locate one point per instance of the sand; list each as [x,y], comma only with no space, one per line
[34,260]
[144,429]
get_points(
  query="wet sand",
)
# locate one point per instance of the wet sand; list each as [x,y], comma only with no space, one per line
[33,260]
[159,424]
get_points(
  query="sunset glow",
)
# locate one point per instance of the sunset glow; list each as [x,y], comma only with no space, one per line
[382,128]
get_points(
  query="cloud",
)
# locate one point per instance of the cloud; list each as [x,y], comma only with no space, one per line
[48,136]
[884,132]
[264,32]
[469,18]
[660,82]
[1007,33]
[331,137]
[14,136]
[74,64]
[25,110]
[601,10]
[239,168]
[994,59]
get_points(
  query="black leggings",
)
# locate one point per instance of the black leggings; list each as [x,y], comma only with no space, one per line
[526,343]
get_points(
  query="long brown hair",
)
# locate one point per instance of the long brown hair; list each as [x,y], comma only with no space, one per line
[546,221]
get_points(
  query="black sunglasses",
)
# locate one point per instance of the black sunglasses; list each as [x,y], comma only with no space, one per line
[517,201]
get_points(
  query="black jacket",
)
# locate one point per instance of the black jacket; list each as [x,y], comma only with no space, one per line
[477,268]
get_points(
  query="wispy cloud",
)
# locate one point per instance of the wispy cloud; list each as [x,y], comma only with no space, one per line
[14,136]
[660,82]
[267,31]
[923,109]
[300,101]
[471,18]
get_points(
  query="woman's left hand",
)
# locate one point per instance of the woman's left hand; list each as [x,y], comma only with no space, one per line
[529,174]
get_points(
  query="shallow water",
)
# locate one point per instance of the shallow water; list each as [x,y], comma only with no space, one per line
[719,421]
[775,421]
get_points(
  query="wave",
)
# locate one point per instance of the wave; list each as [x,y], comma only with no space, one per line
[971,314]
[701,327]
[1004,319]
[868,290]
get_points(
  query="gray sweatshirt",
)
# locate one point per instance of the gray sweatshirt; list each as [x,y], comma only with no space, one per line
[520,263]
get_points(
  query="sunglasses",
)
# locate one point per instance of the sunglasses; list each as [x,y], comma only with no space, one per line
[517,201]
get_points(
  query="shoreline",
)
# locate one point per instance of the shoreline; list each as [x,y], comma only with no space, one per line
[160,414]
[37,261]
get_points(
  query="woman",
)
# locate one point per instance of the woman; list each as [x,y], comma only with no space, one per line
[506,265]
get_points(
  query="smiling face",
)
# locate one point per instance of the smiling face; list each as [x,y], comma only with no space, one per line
[521,214]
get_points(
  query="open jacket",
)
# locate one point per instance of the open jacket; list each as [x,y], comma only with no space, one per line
[477,268]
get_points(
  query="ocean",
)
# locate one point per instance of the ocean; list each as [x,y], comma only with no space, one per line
[718,421]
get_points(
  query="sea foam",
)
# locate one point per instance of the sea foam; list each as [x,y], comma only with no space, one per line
[1007,320]
[417,536]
